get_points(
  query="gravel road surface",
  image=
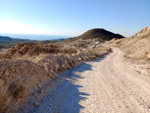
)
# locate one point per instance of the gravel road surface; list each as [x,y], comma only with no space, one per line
[105,85]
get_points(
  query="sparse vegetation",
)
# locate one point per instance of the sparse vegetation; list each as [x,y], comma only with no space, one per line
[137,46]
[26,65]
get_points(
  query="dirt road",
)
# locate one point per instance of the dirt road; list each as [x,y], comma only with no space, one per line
[106,85]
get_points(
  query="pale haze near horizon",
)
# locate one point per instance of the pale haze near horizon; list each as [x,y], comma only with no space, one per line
[73,17]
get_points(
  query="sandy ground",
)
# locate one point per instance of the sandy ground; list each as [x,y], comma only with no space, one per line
[106,85]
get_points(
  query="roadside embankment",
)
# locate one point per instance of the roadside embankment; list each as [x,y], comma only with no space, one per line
[25,69]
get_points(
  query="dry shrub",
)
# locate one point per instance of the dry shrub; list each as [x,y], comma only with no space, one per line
[32,49]
[17,80]
[8,95]
[17,91]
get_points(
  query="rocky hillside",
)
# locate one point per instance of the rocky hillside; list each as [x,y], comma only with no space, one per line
[27,67]
[99,33]
[137,46]
[28,50]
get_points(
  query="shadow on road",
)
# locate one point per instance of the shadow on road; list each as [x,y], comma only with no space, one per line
[65,97]
[69,94]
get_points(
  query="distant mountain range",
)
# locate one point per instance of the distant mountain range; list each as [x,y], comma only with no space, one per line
[6,39]
[7,42]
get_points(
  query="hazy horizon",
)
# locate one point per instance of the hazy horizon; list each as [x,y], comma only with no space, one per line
[35,36]
[72,18]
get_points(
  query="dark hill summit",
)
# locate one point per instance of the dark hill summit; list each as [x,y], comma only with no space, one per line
[99,33]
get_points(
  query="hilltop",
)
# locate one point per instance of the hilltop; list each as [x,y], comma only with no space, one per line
[99,33]
[92,37]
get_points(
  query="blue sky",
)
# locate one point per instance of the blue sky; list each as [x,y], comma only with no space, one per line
[73,17]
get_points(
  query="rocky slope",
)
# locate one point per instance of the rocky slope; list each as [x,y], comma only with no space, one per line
[137,50]
[27,50]
[137,46]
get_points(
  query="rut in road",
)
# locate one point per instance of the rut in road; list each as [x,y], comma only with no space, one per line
[105,85]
